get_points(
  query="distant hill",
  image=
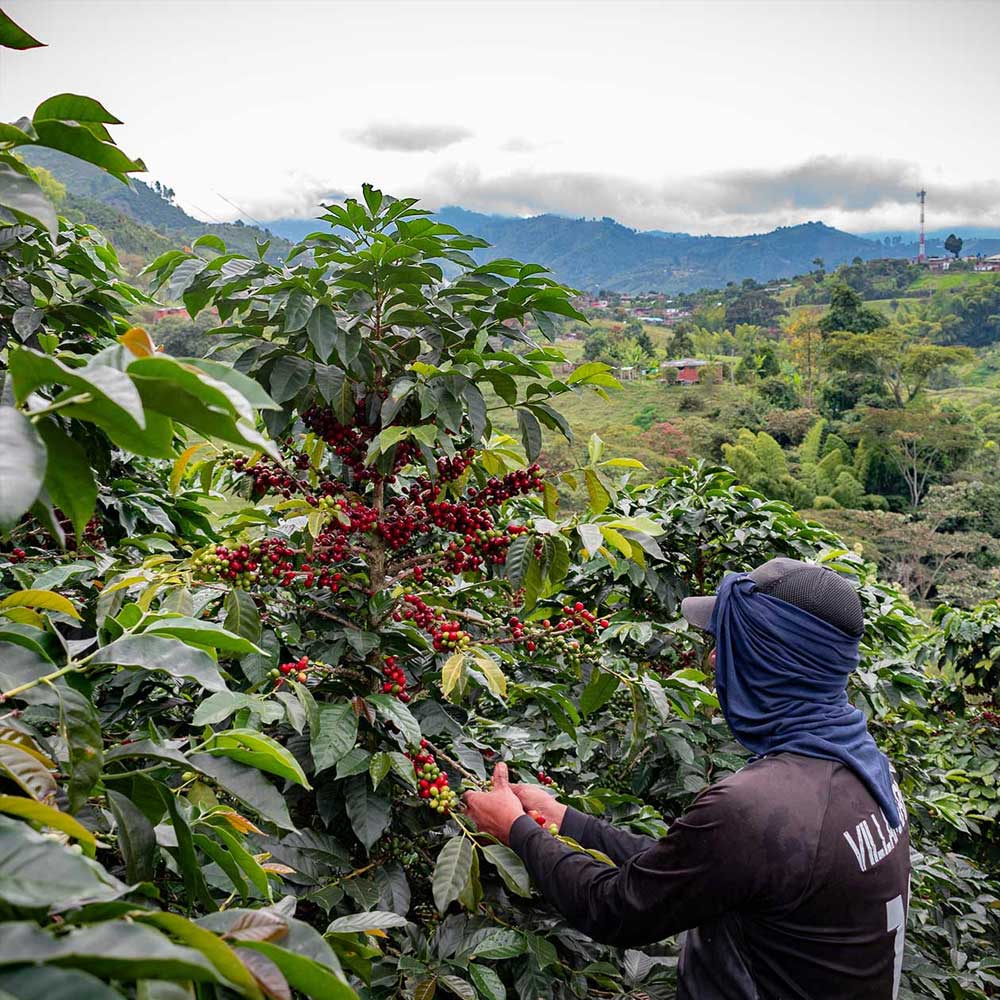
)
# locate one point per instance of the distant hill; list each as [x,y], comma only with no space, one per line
[593,254]
[589,254]
[137,218]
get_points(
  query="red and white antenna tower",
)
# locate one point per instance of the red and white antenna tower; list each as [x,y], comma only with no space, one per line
[922,250]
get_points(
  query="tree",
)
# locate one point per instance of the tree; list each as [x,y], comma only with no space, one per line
[848,312]
[803,336]
[953,244]
[888,354]
[756,307]
[922,443]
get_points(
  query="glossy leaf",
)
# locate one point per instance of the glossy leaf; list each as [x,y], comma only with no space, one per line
[22,459]
[80,729]
[451,871]
[161,654]
[250,747]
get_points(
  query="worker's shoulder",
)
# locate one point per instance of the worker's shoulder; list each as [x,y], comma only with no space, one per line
[783,781]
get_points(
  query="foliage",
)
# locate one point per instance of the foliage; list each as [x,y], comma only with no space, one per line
[238,707]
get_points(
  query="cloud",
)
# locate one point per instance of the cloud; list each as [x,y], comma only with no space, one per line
[403,138]
[852,193]
[856,194]
[518,144]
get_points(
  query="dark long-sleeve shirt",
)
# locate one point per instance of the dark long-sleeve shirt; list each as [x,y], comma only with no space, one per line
[786,876]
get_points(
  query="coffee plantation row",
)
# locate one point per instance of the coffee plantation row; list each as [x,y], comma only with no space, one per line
[261,623]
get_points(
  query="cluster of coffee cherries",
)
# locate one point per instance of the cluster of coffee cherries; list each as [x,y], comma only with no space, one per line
[349,442]
[990,717]
[395,679]
[297,670]
[447,635]
[249,563]
[269,477]
[514,484]
[545,779]
[560,637]
[415,609]
[432,782]
[17,555]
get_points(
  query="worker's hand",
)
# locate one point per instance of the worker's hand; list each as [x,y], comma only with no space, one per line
[536,800]
[496,811]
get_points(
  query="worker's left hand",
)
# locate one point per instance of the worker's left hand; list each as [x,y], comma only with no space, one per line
[495,812]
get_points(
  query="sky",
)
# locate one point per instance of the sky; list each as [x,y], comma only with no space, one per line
[716,116]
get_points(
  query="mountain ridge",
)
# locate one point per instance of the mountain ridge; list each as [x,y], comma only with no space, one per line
[589,254]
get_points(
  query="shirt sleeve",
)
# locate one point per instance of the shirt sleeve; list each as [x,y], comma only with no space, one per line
[703,868]
[617,844]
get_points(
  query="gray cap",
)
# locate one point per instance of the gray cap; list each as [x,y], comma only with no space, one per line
[815,589]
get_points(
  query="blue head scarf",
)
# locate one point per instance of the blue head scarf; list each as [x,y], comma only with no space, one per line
[781,677]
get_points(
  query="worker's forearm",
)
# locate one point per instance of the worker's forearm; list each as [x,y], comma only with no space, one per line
[596,835]
[602,901]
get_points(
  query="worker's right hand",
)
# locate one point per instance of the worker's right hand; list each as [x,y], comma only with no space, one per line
[535,799]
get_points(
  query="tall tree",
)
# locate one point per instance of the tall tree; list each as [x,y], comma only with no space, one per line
[954,245]
[848,312]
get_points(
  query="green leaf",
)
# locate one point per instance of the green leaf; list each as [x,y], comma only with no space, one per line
[500,944]
[378,767]
[22,199]
[38,812]
[13,36]
[248,864]
[510,867]
[68,476]
[80,729]
[451,871]
[251,390]
[305,974]
[335,736]
[158,653]
[585,370]
[203,633]
[361,923]
[395,711]
[520,553]
[28,772]
[531,434]
[289,377]
[247,785]
[369,813]
[259,751]
[195,887]
[221,705]
[113,949]
[458,987]
[600,498]
[598,691]
[49,982]
[114,397]
[452,674]
[81,142]
[44,600]
[220,954]
[136,838]
[74,108]
[322,329]
[36,872]
[22,462]
[487,982]
[298,310]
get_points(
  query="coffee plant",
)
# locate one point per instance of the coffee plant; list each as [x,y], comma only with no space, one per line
[261,624]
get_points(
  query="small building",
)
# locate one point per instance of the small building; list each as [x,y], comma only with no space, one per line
[936,263]
[686,370]
[989,263]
